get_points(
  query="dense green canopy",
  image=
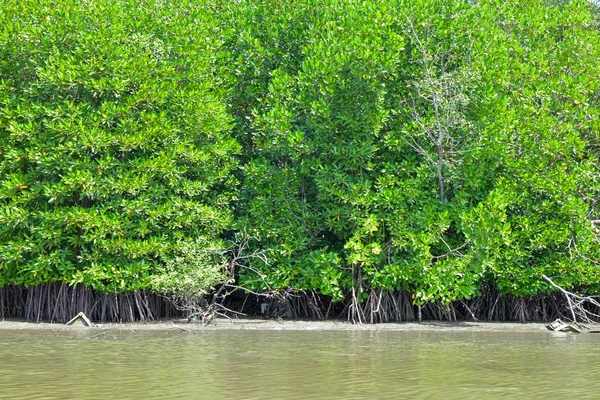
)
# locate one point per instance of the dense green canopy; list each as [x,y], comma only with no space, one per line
[437,147]
[115,145]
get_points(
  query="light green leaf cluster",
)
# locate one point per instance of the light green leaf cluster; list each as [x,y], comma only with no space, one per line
[194,269]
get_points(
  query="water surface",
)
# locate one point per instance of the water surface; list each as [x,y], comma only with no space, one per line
[238,364]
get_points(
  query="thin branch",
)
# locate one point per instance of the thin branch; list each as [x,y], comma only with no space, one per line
[441,257]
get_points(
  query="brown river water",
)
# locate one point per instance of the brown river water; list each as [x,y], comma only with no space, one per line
[264,364]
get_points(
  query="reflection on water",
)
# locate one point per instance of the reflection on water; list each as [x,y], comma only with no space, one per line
[297,365]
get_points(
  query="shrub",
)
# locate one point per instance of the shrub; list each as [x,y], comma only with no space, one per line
[115,150]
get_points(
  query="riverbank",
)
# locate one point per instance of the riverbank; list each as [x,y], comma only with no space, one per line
[286,325]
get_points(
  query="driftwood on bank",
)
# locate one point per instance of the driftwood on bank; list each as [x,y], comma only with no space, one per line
[560,326]
[82,319]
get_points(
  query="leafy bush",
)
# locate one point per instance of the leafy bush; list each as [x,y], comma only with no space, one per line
[114,140]
[435,147]
[193,271]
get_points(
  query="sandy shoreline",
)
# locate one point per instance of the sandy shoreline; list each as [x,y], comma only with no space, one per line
[293,325]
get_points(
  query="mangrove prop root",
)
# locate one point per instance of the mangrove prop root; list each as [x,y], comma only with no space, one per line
[61,302]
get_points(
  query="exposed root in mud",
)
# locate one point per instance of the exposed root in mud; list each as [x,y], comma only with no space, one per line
[382,306]
[60,302]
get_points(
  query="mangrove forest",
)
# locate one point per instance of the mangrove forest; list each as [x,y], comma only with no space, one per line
[375,161]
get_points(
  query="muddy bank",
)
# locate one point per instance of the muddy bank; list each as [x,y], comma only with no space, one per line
[182,325]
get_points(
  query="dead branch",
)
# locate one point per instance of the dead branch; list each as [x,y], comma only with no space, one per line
[452,251]
[577,303]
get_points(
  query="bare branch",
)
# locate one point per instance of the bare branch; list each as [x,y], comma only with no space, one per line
[576,303]
[452,251]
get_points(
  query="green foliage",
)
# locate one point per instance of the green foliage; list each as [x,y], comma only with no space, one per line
[547,101]
[114,140]
[193,271]
[436,147]
[430,146]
